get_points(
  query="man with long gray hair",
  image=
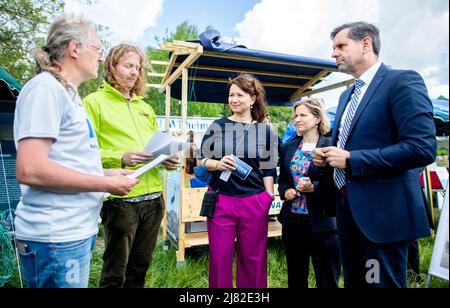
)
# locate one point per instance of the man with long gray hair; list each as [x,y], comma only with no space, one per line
[58,161]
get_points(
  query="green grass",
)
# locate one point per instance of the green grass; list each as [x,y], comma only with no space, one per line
[164,272]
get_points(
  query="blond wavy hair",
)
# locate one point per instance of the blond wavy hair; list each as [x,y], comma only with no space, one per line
[316,107]
[111,75]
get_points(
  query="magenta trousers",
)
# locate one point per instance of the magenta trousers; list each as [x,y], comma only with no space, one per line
[246,220]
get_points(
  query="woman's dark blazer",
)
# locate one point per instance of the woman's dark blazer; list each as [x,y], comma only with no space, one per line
[321,203]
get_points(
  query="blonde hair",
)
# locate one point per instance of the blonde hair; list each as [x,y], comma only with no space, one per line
[113,59]
[63,30]
[316,107]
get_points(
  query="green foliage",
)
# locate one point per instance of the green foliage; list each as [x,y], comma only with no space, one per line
[281,117]
[7,260]
[22,24]
[164,273]
[442,152]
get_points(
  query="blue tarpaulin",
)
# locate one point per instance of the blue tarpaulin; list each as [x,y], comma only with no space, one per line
[440,107]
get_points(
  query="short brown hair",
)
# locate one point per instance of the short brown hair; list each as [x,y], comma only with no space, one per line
[111,61]
[249,84]
[316,107]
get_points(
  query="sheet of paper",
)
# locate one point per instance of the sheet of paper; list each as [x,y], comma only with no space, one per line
[140,171]
[147,167]
[164,143]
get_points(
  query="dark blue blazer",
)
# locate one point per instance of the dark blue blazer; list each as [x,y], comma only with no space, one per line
[321,203]
[392,135]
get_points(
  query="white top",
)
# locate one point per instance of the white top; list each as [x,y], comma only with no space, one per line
[46,110]
[367,77]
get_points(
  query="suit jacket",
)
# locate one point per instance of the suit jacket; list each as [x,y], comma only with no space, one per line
[391,136]
[320,203]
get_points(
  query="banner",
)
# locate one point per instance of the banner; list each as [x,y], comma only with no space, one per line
[439,259]
[196,124]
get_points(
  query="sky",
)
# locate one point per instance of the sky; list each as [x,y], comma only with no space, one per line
[414,33]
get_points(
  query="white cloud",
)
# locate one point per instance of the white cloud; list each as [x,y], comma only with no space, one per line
[126,19]
[414,32]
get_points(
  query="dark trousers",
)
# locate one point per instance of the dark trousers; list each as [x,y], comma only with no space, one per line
[367,264]
[414,261]
[301,245]
[131,231]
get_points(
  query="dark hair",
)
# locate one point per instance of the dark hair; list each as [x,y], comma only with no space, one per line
[358,31]
[249,84]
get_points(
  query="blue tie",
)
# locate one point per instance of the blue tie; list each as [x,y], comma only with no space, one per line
[339,174]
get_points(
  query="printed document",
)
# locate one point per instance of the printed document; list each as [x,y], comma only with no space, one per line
[140,171]
[164,143]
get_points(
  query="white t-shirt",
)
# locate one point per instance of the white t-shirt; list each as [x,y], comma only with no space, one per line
[45,109]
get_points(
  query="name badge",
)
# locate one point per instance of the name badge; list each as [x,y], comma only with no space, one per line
[225,175]
[242,168]
[308,147]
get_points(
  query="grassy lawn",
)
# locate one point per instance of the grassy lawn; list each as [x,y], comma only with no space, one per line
[194,274]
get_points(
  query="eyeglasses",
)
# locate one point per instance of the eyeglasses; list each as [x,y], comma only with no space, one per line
[99,50]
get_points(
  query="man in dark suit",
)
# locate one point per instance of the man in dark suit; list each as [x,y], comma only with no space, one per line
[384,132]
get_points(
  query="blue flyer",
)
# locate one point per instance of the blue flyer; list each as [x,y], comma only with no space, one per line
[242,168]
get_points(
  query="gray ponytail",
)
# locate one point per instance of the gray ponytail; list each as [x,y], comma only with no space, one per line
[64,29]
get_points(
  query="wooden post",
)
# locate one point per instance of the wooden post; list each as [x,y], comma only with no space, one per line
[181,223]
[167,129]
[167,122]
[184,98]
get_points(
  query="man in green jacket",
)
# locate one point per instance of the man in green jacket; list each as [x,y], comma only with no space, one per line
[124,124]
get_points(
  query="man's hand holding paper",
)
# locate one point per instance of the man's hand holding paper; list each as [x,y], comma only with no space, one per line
[134,158]
[171,162]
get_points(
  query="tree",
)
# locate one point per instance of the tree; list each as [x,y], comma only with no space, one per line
[281,117]
[21,30]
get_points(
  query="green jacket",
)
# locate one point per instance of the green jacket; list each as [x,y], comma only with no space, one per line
[123,125]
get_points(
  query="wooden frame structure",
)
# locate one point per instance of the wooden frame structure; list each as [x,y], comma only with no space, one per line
[183,55]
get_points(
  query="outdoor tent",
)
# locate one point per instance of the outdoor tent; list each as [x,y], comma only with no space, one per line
[9,90]
[286,78]
[440,107]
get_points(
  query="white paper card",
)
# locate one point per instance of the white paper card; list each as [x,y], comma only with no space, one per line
[164,143]
[225,175]
[308,147]
[140,171]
